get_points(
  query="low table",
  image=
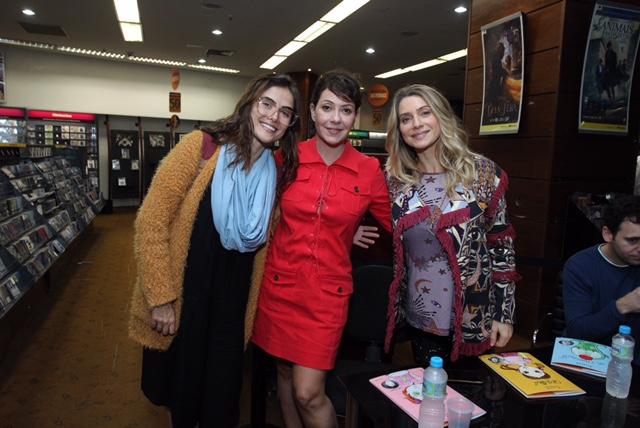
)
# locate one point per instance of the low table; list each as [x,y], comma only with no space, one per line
[506,407]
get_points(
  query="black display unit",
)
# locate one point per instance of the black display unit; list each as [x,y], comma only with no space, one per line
[125,166]
[156,147]
[46,203]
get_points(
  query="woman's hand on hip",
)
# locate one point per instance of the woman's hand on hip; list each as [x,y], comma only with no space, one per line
[500,333]
[365,236]
[163,319]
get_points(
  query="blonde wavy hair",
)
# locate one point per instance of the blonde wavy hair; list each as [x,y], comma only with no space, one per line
[452,151]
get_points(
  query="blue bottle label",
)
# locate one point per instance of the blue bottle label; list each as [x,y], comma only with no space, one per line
[434,390]
[622,351]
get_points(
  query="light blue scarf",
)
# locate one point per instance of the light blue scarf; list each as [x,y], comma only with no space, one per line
[242,201]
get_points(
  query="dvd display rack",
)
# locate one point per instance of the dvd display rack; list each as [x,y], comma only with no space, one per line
[45,205]
[74,135]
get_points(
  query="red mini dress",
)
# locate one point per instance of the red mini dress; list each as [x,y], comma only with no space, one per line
[307,282]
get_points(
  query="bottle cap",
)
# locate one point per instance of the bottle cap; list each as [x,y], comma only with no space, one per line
[436,362]
[624,329]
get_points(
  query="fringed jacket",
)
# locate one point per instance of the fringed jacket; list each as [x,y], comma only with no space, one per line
[163,230]
[479,243]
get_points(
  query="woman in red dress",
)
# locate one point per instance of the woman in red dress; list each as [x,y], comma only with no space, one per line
[307,281]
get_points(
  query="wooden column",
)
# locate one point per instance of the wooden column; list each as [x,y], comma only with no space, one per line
[547,160]
[305,80]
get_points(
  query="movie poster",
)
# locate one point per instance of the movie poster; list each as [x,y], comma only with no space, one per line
[503,53]
[608,69]
[2,79]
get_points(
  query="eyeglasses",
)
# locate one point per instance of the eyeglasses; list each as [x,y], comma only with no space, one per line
[286,116]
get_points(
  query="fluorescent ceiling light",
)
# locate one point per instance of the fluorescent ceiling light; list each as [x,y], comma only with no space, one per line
[131,32]
[290,48]
[460,9]
[157,61]
[425,64]
[335,15]
[273,62]
[391,73]
[370,51]
[127,10]
[314,31]
[454,55]
[28,12]
[342,10]
[430,63]
[216,32]
[212,68]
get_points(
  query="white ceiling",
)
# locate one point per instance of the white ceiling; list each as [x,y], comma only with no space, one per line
[403,32]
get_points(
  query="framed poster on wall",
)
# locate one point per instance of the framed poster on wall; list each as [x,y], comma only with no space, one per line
[503,53]
[3,87]
[124,150]
[156,147]
[607,70]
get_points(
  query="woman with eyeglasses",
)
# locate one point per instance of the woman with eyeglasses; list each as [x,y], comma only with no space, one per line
[307,282]
[197,233]
[454,259]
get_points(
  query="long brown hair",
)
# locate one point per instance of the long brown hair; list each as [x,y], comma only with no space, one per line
[237,128]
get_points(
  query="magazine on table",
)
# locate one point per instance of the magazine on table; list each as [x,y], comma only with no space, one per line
[404,389]
[531,377]
[581,356]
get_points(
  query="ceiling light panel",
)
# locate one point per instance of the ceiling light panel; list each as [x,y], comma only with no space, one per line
[454,55]
[314,31]
[273,62]
[342,10]
[426,64]
[28,12]
[127,10]
[131,32]
[290,48]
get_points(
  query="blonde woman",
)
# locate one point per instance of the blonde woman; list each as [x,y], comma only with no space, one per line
[454,283]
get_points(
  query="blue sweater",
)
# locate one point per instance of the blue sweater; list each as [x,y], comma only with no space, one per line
[591,287]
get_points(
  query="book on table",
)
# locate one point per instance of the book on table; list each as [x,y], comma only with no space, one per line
[404,389]
[531,377]
[581,356]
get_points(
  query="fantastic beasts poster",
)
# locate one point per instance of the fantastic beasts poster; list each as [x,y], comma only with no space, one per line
[503,52]
[608,69]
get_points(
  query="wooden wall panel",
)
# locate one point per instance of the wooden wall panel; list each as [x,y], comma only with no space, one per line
[532,159]
[474,51]
[527,288]
[531,237]
[543,28]
[528,199]
[537,118]
[486,11]
[540,76]
[526,316]
[605,158]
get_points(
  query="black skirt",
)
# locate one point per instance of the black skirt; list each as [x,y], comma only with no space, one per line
[199,377]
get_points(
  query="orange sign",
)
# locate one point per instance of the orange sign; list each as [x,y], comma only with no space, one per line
[174,102]
[175,79]
[378,95]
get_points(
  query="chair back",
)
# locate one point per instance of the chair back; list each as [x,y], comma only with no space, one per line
[367,320]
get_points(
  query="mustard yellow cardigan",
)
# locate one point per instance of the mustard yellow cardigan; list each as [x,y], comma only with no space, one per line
[163,230]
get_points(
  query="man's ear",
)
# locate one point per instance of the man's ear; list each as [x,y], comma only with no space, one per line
[312,109]
[607,235]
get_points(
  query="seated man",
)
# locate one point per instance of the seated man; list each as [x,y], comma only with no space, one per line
[602,283]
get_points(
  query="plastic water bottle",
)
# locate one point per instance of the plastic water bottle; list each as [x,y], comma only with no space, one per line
[619,371]
[434,389]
